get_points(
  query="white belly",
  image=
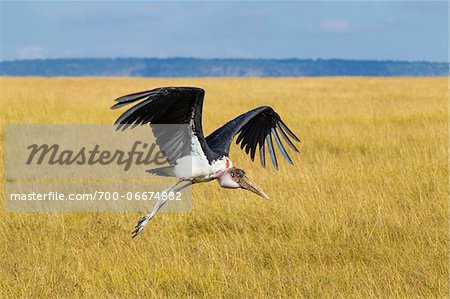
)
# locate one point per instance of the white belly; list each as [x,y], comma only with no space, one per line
[197,169]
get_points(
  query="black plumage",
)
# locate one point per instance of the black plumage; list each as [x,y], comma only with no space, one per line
[256,129]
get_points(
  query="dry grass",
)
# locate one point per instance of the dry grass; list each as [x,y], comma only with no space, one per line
[363,213]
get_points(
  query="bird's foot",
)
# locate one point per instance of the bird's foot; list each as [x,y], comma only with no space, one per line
[140,225]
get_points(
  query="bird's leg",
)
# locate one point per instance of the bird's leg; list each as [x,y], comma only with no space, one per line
[160,202]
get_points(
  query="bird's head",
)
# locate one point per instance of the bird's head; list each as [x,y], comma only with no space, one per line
[236,178]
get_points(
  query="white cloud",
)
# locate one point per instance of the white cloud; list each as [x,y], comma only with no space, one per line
[31,52]
[336,26]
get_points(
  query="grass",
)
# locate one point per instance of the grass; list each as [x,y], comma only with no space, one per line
[362,213]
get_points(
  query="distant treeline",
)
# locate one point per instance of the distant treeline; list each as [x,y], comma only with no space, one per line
[194,67]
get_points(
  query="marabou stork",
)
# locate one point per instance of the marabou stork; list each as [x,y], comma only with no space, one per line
[207,157]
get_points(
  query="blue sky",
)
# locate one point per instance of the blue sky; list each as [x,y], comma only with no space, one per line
[316,29]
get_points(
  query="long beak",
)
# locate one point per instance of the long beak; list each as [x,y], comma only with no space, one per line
[246,184]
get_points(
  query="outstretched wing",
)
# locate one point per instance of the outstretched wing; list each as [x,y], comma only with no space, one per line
[256,128]
[168,105]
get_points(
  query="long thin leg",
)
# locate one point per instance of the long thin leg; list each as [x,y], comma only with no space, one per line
[144,220]
[161,202]
[182,187]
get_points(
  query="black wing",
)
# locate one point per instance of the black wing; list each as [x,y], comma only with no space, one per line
[256,127]
[167,105]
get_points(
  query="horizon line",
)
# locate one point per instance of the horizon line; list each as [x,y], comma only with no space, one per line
[224,58]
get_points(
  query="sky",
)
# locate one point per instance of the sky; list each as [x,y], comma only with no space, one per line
[380,30]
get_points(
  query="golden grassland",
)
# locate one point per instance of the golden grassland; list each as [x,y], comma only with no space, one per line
[362,213]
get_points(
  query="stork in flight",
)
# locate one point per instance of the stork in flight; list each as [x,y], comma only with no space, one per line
[193,157]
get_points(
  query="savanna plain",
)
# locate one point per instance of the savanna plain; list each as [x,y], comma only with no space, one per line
[363,212]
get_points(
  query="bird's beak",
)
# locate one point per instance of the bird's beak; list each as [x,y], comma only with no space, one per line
[247,184]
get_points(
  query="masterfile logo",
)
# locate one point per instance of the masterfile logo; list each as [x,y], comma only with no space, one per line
[86,168]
